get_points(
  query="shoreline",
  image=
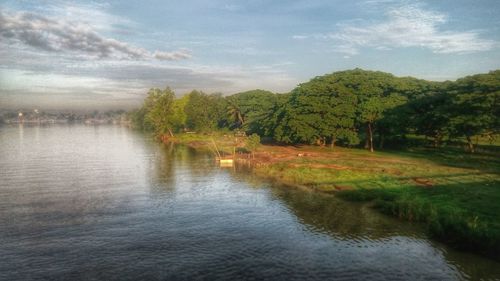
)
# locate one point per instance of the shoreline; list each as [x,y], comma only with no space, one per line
[395,183]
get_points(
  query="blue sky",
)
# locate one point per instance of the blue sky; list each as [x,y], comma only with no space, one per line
[71,54]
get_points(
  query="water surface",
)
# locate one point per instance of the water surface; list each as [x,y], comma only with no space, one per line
[107,203]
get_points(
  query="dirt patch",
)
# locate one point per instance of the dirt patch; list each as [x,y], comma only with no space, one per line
[340,187]
[423,182]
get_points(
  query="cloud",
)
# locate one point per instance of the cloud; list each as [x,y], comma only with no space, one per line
[408,26]
[59,35]
[177,55]
[30,79]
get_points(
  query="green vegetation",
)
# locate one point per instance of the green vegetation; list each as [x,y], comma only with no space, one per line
[455,193]
[427,176]
[157,113]
[204,112]
[252,143]
[253,111]
[347,108]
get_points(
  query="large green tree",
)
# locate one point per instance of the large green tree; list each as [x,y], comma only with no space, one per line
[376,92]
[159,110]
[320,111]
[430,116]
[179,115]
[338,105]
[251,111]
[475,106]
[205,112]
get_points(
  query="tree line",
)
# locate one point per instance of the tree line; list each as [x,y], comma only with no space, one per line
[348,108]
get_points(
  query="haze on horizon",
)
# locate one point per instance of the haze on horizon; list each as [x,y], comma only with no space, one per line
[107,54]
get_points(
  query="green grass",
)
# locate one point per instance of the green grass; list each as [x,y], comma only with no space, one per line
[455,193]
[224,141]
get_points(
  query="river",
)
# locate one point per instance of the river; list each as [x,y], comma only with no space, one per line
[107,203]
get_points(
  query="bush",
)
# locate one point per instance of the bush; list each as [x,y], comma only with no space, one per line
[252,143]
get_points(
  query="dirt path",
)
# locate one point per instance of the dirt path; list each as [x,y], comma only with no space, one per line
[274,153]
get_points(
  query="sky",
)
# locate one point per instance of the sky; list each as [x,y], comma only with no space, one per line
[107,54]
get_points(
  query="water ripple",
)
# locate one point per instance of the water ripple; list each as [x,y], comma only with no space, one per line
[105,203]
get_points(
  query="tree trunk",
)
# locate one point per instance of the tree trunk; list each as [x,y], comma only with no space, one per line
[320,141]
[332,145]
[240,119]
[370,136]
[170,132]
[471,145]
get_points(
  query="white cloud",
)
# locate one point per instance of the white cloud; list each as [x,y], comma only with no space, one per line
[53,34]
[176,55]
[408,26]
[30,78]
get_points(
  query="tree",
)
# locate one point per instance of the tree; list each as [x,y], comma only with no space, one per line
[159,110]
[179,116]
[475,106]
[321,111]
[137,118]
[252,143]
[376,93]
[251,110]
[473,114]
[333,107]
[197,110]
[219,106]
[205,112]
[282,120]
[430,116]
[371,110]
[339,108]
[234,112]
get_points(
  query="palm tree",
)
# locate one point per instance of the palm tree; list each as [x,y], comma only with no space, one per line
[234,113]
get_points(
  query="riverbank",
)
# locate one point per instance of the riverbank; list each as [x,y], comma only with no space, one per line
[455,194]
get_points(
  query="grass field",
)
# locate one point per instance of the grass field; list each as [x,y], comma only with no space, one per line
[456,194]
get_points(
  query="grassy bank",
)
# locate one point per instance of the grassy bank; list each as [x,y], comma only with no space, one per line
[225,142]
[456,194]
